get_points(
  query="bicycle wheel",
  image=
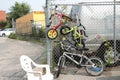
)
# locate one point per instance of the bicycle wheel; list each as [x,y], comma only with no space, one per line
[60,65]
[98,67]
[52,34]
[64,30]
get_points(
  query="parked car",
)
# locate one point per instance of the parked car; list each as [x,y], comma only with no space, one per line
[1,29]
[7,32]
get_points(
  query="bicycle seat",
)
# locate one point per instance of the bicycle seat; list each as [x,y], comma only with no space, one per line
[82,49]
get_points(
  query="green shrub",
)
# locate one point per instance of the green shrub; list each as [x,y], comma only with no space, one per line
[41,33]
[12,36]
[38,32]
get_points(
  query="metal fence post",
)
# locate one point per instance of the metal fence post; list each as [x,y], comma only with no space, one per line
[47,40]
[114,28]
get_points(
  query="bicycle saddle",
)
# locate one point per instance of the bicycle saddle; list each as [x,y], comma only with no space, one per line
[82,49]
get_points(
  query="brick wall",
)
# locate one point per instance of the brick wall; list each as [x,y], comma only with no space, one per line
[2,15]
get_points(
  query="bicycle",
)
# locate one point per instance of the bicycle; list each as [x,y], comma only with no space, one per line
[93,66]
[52,33]
[77,34]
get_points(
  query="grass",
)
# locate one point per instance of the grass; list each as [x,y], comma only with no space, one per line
[28,38]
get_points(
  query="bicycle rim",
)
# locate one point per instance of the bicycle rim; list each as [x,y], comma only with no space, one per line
[52,34]
[97,69]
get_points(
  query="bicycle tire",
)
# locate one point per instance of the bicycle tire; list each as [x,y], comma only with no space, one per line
[52,34]
[64,30]
[95,71]
[60,65]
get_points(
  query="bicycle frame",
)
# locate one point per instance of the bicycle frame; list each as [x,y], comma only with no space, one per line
[60,21]
[76,34]
[66,54]
[60,16]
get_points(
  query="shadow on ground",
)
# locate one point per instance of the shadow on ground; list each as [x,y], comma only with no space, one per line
[109,78]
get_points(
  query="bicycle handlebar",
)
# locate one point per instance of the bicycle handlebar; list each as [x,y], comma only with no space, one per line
[81,25]
[49,24]
[83,28]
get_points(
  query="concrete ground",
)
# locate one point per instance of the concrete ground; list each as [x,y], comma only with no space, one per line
[10,68]
[10,52]
[80,74]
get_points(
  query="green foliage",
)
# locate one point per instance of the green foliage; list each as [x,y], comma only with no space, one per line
[18,10]
[34,32]
[9,25]
[12,36]
[3,23]
[27,38]
[42,33]
[38,32]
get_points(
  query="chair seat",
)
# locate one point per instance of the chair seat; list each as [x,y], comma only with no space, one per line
[40,72]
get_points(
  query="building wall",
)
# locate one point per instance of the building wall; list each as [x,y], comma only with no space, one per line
[39,17]
[2,15]
[24,24]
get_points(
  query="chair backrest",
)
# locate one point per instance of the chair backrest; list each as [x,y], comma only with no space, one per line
[26,63]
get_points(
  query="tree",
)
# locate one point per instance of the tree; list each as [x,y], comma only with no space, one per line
[3,24]
[18,10]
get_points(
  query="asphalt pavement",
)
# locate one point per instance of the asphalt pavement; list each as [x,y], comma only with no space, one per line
[10,68]
[10,52]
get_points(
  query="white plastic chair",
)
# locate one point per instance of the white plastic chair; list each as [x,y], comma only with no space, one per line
[27,65]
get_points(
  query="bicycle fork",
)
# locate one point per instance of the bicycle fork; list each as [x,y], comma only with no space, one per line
[62,58]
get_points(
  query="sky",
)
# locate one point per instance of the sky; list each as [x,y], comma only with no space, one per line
[35,4]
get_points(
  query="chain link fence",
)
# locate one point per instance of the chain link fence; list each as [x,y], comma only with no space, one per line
[101,20]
